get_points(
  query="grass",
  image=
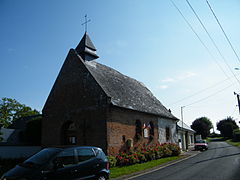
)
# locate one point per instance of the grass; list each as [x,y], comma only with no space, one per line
[233,143]
[125,170]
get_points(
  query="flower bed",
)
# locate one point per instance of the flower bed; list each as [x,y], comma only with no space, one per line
[144,154]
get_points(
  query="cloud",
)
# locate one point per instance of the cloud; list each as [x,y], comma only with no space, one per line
[163,87]
[168,80]
[179,77]
[186,75]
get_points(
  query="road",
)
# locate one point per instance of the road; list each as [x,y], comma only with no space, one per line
[220,162]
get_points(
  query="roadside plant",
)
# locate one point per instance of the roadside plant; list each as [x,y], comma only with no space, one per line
[146,153]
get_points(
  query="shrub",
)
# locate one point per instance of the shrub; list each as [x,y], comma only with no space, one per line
[112,161]
[175,149]
[236,135]
[147,153]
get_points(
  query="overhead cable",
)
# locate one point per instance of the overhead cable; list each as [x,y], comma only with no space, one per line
[204,45]
[200,91]
[213,94]
[228,40]
[215,45]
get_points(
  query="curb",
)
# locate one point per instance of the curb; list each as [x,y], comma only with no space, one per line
[147,171]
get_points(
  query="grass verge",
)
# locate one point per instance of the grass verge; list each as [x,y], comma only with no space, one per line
[125,170]
[233,143]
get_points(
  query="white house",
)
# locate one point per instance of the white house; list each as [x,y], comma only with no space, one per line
[185,136]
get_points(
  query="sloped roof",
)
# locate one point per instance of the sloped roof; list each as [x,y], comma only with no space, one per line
[184,126]
[126,92]
[86,41]
[86,47]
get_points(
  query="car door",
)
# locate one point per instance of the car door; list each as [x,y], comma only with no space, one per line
[66,165]
[87,163]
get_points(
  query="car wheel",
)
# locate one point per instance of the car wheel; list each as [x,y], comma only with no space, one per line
[101,177]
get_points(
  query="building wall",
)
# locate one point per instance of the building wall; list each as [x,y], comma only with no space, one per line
[162,125]
[75,97]
[121,122]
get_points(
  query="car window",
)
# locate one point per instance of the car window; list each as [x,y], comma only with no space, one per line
[41,157]
[85,154]
[67,157]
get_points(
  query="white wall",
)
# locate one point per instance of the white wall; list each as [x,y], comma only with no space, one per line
[162,124]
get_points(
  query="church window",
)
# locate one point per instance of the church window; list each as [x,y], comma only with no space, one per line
[167,133]
[151,128]
[124,138]
[138,125]
[69,133]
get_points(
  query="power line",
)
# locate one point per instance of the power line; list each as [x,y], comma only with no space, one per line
[228,40]
[213,94]
[199,92]
[191,27]
[215,45]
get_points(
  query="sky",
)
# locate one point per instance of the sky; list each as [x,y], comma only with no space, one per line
[147,40]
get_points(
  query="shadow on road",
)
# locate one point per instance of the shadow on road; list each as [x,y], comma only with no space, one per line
[236,154]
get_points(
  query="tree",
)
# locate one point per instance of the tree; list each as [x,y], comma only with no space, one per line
[202,126]
[11,110]
[227,126]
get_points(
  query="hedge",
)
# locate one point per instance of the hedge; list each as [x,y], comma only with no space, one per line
[144,154]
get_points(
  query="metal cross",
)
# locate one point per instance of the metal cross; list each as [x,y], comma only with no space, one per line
[85,23]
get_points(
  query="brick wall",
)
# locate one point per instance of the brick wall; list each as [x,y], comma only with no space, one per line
[121,122]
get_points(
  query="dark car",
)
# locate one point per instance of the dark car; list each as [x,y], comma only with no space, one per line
[200,145]
[58,163]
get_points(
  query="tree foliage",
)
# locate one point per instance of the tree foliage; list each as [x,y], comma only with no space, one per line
[202,126]
[11,110]
[227,127]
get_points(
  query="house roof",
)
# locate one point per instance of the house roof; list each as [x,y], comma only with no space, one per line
[126,92]
[181,124]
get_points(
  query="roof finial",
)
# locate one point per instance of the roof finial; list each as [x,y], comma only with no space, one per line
[85,23]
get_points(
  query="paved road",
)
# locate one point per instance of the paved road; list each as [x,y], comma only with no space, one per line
[220,162]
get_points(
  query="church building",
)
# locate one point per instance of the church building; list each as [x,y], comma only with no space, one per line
[92,104]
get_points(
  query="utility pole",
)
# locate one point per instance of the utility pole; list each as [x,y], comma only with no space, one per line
[182,115]
[238,100]
[182,126]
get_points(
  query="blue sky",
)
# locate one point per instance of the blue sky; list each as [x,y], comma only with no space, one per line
[146,40]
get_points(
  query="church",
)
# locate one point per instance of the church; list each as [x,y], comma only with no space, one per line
[91,104]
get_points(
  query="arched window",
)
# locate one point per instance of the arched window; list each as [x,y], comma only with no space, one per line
[138,126]
[151,129]
[168,133]
[69,133]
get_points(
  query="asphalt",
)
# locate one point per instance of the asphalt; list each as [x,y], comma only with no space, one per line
[220,162]
[183,156]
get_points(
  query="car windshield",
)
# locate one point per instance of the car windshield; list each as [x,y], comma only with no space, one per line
[41,157]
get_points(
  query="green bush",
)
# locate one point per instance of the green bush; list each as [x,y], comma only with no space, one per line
[147,153]
[112,161]
[236,135]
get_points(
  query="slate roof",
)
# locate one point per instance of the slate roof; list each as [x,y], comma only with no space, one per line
[185,126]
[126,92]
[86,46]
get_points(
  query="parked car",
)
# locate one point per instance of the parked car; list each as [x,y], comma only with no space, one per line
[59,163]
[201,145]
